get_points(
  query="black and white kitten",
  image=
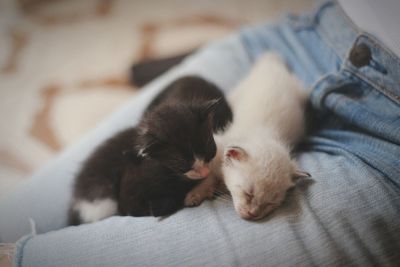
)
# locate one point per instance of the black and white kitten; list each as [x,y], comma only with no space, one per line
[178,126]
[147,170]
[115,180]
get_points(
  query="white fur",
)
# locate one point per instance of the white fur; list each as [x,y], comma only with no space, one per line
[270,97]
[268,107]
[92,211]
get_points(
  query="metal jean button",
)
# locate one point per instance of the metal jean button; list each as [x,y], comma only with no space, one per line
[360,55]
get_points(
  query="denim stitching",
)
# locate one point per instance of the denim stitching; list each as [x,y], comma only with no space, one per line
[349,68]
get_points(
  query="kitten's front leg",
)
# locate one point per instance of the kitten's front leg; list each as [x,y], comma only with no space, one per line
[200,192]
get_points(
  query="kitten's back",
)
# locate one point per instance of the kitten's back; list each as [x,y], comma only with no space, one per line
[272,96]
[100,173]
[116,180]
[95,190]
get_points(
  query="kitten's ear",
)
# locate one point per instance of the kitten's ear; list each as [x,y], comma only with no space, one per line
[210,106]
[236,153]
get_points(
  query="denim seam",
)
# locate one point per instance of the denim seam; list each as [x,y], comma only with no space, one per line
[295,45]
[325,37]
[20,245]
[322,95]
[377,44]
[328,42]
[299,23]
[370,82]
[312,24]
[372,39]
[314,87]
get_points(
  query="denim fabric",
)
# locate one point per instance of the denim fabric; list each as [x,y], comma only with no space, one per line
[348,214]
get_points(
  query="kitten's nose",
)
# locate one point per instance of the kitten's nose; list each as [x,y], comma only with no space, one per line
[249,215]
[201,168]
[204,171]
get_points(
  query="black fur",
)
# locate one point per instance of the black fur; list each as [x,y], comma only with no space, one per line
[179,123]
[152,189]
[142,187]
[195,93]
[177,126]
[101,172]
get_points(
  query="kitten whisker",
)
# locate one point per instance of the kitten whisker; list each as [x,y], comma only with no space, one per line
[224,195]
[221,192]
[221,199]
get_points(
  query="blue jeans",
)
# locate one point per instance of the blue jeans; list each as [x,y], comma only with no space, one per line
[349,214]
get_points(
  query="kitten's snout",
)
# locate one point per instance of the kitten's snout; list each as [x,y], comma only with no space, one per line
[199,170]
[250,215]
[204,171]
[254,213]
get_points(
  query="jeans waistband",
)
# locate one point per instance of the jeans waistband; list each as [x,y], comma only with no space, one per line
[362,54]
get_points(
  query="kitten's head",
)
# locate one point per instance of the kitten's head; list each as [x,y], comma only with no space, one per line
[259,179]
[180,136]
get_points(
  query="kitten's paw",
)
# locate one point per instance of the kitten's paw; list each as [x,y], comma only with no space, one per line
[193,199]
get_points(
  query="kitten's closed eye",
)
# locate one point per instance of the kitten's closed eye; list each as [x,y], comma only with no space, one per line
[249,196]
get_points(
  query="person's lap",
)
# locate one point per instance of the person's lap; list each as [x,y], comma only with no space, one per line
[347,213]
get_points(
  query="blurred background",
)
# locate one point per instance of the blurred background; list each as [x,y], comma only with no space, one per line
[66,64]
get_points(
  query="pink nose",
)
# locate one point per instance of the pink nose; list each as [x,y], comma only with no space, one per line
[248,215]
[252,214]
[204,171]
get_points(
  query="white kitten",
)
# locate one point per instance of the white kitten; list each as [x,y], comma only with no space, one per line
[268,107]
